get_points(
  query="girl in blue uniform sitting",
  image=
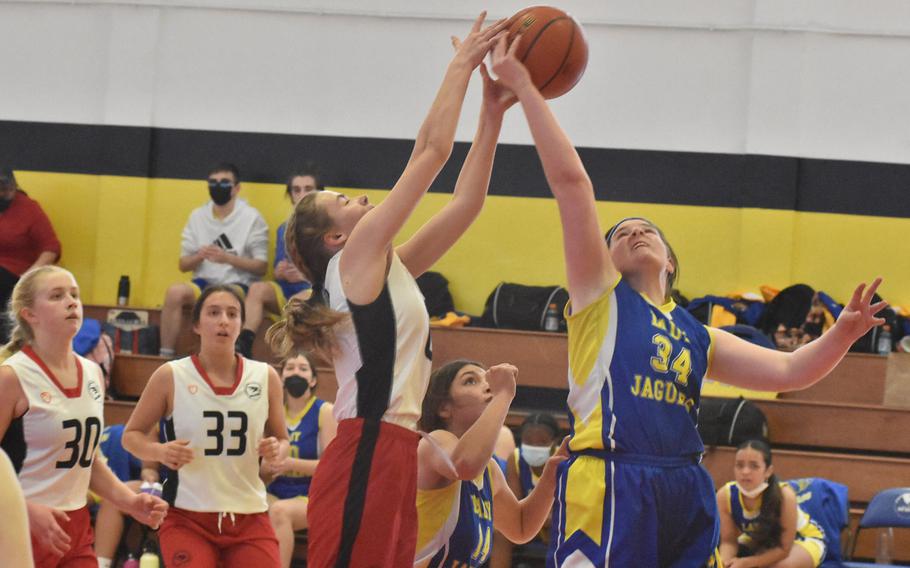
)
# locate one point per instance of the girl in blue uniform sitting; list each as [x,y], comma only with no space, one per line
[311,427]
[459,485]
[761,523]
[269,297]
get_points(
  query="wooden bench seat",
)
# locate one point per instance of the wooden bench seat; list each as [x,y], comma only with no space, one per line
[854,427]
[542,361]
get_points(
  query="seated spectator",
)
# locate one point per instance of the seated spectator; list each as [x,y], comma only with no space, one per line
[539,438]
[289,282]
[761,523]
[224,241]
[27,239]
[311,427]
[109,521]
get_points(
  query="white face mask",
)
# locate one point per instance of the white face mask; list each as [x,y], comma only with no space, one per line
[536,456]
[755,492]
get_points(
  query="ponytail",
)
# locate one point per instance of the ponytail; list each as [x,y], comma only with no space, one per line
[767,525]
[309,324]
[17,341]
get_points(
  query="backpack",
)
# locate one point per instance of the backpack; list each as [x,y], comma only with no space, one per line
[789,307]
[131,332]
[827,505]
[718,311]
[436,295]
[730,421]
[516,306]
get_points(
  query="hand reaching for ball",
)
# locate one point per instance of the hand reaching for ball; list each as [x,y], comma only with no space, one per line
[475,46]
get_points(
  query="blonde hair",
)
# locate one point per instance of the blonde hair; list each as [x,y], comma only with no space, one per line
[309,324]
[23,296]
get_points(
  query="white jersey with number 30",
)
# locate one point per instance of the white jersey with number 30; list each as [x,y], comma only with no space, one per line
[224,426]
[53,444]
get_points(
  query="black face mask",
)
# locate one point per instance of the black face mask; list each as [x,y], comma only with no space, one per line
[296,386]
[5,203]
[220,191]
[220,195]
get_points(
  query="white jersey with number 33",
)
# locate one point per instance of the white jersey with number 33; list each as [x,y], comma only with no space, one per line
[224,426]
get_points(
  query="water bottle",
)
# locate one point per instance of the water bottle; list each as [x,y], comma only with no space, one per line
[131,561]
[123,291]
[883,345]
[551,319]
[884,546]
[149,560]
[153,489]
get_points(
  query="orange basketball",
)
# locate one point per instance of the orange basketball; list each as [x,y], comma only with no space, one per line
[552,47]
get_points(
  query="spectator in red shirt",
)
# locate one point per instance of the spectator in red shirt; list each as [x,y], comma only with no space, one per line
[27,240]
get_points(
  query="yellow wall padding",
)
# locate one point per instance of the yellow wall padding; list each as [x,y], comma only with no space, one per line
[113,225]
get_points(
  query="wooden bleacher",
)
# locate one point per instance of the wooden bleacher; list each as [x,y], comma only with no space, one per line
[839,429]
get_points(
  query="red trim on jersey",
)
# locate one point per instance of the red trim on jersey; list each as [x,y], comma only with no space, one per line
[219,390]
[74,392]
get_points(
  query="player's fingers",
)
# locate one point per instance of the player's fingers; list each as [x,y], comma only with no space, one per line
[478,23]
[513,48]
[495,28]
[483,72]
[870,291]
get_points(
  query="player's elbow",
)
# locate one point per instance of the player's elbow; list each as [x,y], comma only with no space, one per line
[467,468]
[437,150]
[570,182]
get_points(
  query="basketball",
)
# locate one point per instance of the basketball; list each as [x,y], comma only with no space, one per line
[552,47]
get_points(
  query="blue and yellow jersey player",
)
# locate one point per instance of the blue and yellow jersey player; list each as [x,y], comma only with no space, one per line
[311,427]
[761,522]
[459,485]
[633,493]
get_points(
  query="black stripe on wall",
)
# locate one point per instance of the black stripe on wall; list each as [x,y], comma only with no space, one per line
[680,178]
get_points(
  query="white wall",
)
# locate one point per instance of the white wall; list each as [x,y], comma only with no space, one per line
[813,78]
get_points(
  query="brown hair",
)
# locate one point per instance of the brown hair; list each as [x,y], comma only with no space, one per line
[299,353]
[309,323]
[767,527]
[23,296]
[227,289]
[308,170]
[438,394]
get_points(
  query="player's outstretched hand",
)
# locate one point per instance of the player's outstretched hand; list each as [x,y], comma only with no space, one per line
[475,46]
[858,315]
[512,74]
[560,455]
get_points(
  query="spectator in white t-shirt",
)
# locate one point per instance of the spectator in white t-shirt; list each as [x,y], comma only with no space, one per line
[224,242]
